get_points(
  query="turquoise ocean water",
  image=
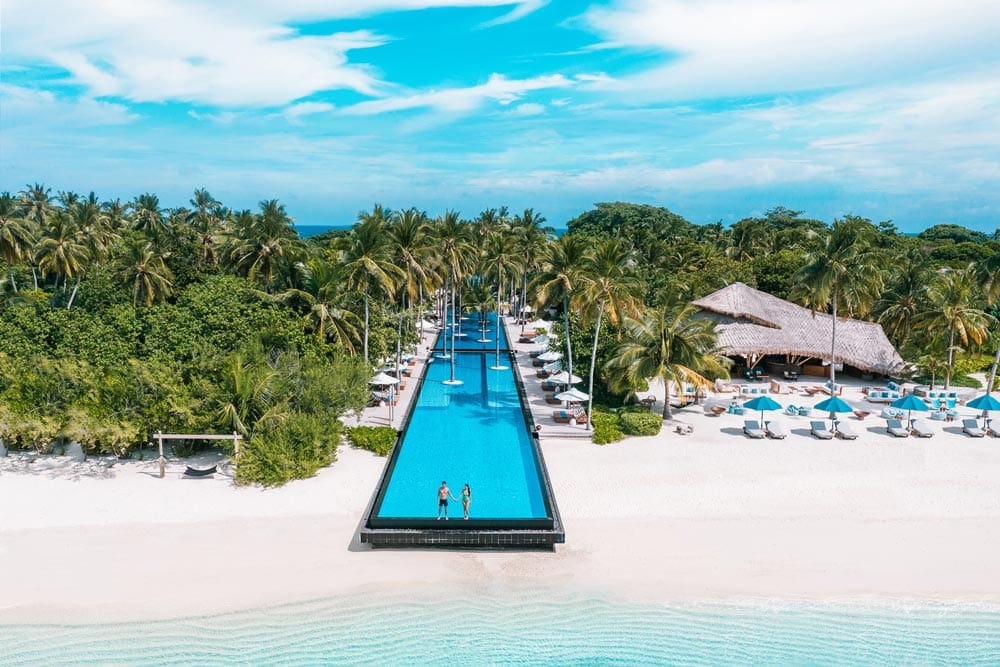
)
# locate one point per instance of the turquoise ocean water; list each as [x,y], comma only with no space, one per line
[529,628]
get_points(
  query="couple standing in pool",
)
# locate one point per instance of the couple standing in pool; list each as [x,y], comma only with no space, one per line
[444,493]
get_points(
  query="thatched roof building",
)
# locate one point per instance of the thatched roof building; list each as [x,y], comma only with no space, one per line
[753,324]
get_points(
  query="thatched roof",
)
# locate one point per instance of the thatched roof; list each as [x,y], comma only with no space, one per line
[753,323]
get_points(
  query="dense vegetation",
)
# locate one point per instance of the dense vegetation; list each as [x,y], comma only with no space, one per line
[118,319]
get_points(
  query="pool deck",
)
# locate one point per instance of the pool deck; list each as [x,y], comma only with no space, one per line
[541,412]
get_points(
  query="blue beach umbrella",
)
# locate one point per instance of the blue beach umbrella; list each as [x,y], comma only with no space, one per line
[762,403]
[986,403]
[833,405]
[910,403]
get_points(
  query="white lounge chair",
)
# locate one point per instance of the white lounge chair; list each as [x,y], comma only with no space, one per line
[846,432]
[921,429]
[776,429]
[752,429]
[971,428]
[895,427]
[820,430]
[992,430]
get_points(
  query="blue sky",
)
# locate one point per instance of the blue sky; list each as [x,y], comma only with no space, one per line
[716,109]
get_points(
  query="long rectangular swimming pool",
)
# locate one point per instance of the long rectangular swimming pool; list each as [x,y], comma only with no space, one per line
[475,433]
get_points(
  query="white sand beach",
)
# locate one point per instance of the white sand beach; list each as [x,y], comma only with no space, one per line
[705,516]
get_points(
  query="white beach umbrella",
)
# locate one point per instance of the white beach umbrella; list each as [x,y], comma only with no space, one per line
[424,324]
[538,324]
[551,355]
[382,379]
[562,377]
[572,395]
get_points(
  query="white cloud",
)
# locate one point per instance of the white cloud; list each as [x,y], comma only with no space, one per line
[498,89]
[723,48]
[528,109]
[226,53]
[21,106]
[297,111]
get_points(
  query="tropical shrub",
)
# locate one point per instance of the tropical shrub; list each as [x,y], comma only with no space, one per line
[640,423]
[296,449]
[607,427]
[377,439]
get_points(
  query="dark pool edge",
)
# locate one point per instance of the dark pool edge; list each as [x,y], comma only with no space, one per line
[479,534]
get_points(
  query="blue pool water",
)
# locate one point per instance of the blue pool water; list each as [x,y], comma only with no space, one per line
[472,335]
[473,433]
[528,628]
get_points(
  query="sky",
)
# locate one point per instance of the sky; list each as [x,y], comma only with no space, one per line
[715,109]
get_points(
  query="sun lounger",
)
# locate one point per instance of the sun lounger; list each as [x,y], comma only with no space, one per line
[752,429]
[564,416]
[895,427]
[776,429]
[549,385]
[921,429]
[861,414]
[198,472]
[971,428]
[717,410]
[820,430]
[992,430]
[551,399]
[792,410]
[846,432]
[804,412]
[889,413]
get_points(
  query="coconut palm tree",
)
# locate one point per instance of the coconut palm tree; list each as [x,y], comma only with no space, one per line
[670,343]
[840,274]
[900,304]
[410,247]
[368,266]
[147,216]
[952,305]
[531,238]
[37,202]
[988,272]
[324,290]
[456,256]
[250,398]
[16,234]
[205,218]
[144,268]
[560,277]
[502,262]
[61,252]
[264,247]
[610,286]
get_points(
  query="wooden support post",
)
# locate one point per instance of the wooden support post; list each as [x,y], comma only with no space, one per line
[163,460]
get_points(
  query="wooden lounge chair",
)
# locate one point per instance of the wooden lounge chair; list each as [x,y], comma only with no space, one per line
[861,414]
[895,427]
[549,385]
[200,472]
[820,430]
[717,409]
[921,429]
[845,431]
[752,429]
[552,400]
[776,430]
[971,428]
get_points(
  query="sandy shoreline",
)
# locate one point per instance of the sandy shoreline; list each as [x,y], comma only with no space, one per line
[712,516]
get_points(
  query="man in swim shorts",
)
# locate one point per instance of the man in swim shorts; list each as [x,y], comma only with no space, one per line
[444,493]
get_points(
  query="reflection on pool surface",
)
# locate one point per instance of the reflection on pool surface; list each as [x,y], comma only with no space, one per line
[474,433]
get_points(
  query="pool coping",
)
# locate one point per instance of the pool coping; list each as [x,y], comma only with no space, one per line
[472,533]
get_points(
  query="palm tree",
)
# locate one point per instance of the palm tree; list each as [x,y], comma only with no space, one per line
[840,274]
[15,233]
[147,216]
[37,202]
[410,248]
[324,291]
[900,304]
[264,247]
[532,239]
[144,268]
[951,306]
[561,275]
[61,252]
[368,266]
[988,273]
[502,263]
[250,400]
[205,218]
[670,343]
[611,287]
[455,255]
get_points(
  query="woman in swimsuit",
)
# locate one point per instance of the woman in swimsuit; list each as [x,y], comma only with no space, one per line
[466,499]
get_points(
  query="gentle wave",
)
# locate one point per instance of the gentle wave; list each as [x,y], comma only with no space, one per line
[528,627]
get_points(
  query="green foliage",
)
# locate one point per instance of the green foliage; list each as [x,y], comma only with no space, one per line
[296,449]
[632,221]
[952,233]
[377,439]
[957,255]
[640,423]
[607,427]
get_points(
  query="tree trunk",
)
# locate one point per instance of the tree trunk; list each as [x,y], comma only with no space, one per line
[593,363]
[951,357]
[13,283]
[667,414]
[498,323]
[524,301]
[34,276]
[993,371]
[569,343]
[366,329]
[833,345]
[73,295]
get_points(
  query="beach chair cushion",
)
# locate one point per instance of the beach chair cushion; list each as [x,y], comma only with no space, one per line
[846,432]
[752,429]
[921,428]
[776,429]
[971,428]
[895,427]
[820,430]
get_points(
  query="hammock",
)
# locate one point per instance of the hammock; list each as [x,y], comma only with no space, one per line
[196,472]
